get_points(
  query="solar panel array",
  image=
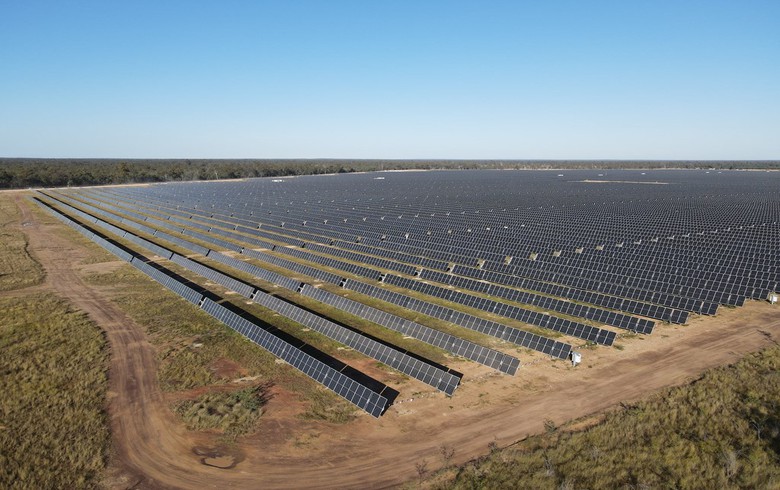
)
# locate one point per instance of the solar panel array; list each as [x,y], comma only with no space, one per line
[469,350]
[593,334]
[710,254]
[530,340]
[416,368]
[575,309]
[450,343]
[360,395]
[525,339]
[574,294]
[579,255]
[477,353]
[639,325]
[427,373]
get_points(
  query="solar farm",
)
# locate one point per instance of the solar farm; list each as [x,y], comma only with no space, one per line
[497,269]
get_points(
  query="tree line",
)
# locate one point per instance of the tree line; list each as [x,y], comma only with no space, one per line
[55,172]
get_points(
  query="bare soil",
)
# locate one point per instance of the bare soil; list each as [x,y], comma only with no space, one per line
[152,449]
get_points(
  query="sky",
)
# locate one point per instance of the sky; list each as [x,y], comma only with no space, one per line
[625,79]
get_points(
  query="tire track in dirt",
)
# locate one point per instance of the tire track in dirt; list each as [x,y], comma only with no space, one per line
[152,450]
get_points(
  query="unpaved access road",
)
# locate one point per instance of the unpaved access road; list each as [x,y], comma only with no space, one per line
[153,450]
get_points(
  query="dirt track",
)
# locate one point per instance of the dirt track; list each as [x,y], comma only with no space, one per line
[151,450]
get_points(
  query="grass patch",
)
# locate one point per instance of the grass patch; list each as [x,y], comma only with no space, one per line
[53,428]
[234,413]
[722,431]
[17,267]
[328,407]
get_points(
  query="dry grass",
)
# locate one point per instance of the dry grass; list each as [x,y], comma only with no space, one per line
[53,428]
[722,431]
[234,413]
[17,268]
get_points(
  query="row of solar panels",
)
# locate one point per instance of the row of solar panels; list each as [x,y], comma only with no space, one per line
[562,325]
[619,279]
[593,284]
[470,350]
[467,349]
[621,304]
[514,335]
[713,281]
[360,395]
[533,341]
[574,309]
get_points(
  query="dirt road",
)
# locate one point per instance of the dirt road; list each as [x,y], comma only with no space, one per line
[152,450]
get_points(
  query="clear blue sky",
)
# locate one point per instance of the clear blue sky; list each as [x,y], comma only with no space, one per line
[636,79]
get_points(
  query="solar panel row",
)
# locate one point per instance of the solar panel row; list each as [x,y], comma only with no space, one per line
[360,395]
[450,343]
[427,373]
[568,327]
[574,309]
[265,275]
[488,327]
[232,284]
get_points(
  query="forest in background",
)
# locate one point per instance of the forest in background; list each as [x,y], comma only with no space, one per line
[19,173]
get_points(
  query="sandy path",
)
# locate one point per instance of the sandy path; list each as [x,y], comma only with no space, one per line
[153,451]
